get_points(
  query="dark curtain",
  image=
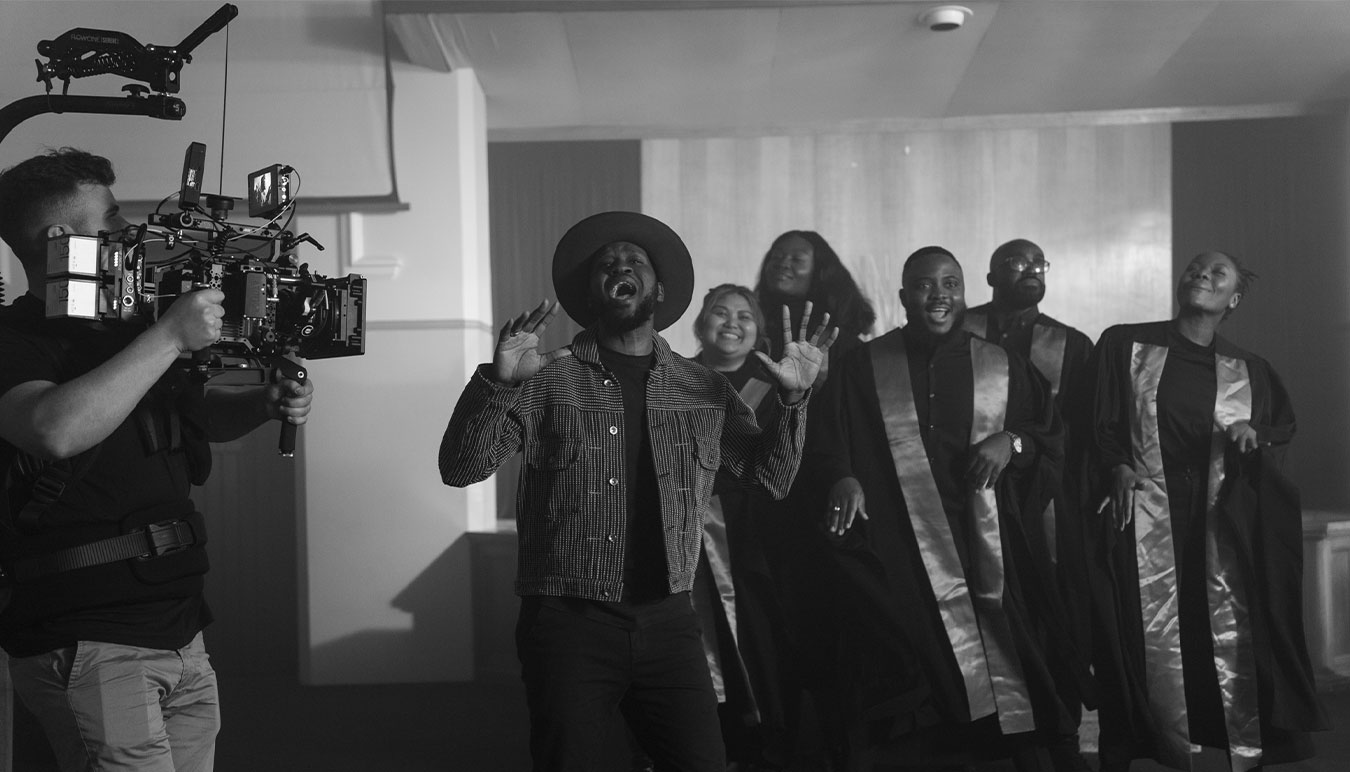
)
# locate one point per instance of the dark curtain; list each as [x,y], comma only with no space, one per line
[536,191]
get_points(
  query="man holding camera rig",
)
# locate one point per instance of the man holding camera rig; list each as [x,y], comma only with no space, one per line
[101,438]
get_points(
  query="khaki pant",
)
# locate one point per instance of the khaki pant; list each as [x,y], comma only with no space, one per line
[106,706]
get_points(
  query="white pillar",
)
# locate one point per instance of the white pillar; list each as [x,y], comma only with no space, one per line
[384,576]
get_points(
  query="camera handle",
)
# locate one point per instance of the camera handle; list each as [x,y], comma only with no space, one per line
[296,372]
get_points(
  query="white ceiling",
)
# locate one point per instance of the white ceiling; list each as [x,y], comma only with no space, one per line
[566,69]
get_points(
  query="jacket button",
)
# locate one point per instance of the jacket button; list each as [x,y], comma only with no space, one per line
[608,382]
[609,538]
[613,481]
[604,593]
[613,430]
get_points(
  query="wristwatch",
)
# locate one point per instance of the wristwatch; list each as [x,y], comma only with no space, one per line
[1016,441]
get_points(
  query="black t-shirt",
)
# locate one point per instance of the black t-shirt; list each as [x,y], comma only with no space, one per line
[142,466]
[1186,404]
[644,561]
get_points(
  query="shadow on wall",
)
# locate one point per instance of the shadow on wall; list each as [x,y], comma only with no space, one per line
[387,656]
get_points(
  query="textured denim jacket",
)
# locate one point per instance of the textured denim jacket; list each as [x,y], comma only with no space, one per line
[568,421]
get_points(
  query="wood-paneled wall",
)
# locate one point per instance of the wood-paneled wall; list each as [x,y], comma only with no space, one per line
[1276,192]
[1096,198]
[537,190]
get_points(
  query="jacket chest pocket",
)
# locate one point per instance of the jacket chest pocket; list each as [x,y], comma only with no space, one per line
[553,476]
[708,454]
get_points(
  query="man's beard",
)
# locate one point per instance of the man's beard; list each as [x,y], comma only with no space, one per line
[615,320]
[1019,298]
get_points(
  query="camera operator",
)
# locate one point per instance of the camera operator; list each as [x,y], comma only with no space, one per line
[101,437]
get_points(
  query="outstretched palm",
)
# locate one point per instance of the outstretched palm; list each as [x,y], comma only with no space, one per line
[803,354]
[517,356]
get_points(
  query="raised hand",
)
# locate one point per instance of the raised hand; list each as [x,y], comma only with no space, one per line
[517,356]
[803,355]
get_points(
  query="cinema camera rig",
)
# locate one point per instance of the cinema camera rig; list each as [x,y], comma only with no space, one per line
[275,307]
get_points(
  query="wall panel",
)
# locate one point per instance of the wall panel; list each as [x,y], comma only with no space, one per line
[1275,193]
[1097,199]
[537,190]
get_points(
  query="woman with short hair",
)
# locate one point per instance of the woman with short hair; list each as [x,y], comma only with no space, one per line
[1200,628]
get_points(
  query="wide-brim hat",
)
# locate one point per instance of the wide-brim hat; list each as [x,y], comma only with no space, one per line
[669,256]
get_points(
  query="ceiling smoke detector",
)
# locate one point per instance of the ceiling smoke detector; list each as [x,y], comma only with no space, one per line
[944,18]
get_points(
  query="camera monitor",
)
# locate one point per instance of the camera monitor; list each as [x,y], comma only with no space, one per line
[268,191]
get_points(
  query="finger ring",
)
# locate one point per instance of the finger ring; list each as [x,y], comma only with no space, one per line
[836,509]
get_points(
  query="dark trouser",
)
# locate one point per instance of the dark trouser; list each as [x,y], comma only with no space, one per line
[578,669]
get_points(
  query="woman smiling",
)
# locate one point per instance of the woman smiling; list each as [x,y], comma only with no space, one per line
[1201,636]
[734,590]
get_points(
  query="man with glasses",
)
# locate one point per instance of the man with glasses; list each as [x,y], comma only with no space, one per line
[1017,272]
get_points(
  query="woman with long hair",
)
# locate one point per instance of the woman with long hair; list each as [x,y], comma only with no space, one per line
[802,273]
[802,267]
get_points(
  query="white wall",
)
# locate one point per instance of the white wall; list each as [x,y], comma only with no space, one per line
[384,584]
[305,86]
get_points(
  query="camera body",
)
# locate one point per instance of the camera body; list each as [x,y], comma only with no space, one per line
[274,305]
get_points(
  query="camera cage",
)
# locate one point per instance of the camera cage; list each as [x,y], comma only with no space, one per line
[275,306]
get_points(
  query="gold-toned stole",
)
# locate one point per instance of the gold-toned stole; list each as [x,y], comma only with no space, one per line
[1155,555]
[1048,345]
[718,551]
[970,603]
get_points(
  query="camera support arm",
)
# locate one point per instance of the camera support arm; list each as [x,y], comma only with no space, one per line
[159,106]
[80,53]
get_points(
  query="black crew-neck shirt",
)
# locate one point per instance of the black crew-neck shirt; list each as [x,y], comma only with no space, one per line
[644,561]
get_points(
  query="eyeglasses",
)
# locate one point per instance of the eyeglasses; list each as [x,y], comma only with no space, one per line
[1019,264]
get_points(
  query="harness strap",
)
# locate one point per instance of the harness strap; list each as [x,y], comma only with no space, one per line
[47,489]
[145,543]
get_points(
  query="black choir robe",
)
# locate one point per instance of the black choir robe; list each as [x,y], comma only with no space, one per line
[897,668]
[1073,386]
[1256,505]
[746,648]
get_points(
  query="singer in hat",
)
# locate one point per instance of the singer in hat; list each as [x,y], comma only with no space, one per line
[622,440]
